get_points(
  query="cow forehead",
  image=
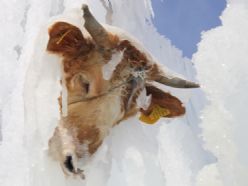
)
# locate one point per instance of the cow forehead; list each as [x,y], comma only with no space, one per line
[123,35]
[94,63]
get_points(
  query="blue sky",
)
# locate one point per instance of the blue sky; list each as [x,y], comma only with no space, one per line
[182,21]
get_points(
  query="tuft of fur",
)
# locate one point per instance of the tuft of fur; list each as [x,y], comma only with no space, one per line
[68,40]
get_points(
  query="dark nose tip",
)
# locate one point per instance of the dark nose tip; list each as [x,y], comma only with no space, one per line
[68,163]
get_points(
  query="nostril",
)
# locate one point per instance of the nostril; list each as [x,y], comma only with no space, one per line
[68,163]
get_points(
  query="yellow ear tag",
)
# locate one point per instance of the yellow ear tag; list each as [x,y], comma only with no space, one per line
[155,115]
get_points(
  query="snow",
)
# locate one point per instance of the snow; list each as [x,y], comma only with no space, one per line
[143,101]
[64,94]
[108,68]
[224,122]
[207,146]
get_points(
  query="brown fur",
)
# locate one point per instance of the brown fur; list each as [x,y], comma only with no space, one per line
[132,54]
[84,133]
[88,122]
[68,40]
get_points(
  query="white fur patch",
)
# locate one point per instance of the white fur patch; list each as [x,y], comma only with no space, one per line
[144,101]
[64,94]
[67,142]
[109,68]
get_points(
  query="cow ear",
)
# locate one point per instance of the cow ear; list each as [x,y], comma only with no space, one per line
[163,104]
[67,40]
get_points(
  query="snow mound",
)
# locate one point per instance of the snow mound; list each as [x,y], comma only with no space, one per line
[223,50]
[169,153]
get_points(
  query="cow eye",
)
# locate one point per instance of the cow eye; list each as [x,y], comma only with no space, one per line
[86,87]
[80,84]
[85,84]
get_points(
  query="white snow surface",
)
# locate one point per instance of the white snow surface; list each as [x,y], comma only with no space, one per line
[224,119]
[207,146]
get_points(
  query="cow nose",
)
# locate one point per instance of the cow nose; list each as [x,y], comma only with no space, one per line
[68,164]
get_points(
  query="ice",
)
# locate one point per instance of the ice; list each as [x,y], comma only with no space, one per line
[131,153]
[64,94]
[224,122]
[108,69]
[209,175]
[144,101]
[207,146]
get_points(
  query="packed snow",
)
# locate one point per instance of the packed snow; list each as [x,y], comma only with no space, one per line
[108,69]
[207,146]
[224,123]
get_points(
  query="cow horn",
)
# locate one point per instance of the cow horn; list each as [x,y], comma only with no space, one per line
[95,29]
[176,82]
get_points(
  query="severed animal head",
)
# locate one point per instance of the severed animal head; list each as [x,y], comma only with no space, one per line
[104,74]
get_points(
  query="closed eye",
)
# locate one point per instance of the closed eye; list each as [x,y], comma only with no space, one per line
[86,87]
[84,83]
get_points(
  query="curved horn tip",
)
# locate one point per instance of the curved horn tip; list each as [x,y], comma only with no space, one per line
[177,82]
[86,12]
[85,7]
[192,85]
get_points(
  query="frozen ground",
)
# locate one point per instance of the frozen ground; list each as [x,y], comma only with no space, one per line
[205,147]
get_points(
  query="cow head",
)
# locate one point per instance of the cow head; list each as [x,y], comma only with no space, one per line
[104,74]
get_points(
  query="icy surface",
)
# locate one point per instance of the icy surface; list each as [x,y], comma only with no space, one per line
[224,119]
[108,69]
[170,153]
